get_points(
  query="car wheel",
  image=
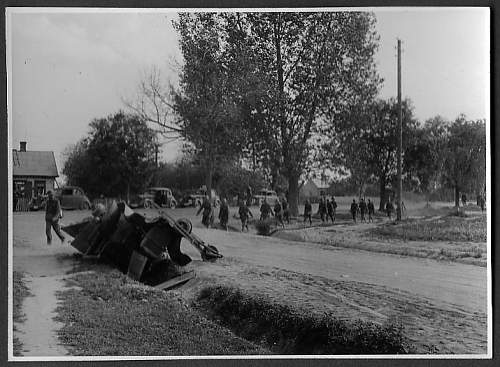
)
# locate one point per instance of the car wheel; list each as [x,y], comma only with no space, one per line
[185,224]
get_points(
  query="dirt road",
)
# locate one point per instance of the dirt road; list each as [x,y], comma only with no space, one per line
[442,304]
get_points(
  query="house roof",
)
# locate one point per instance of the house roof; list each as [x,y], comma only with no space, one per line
[320,184]
[34,163]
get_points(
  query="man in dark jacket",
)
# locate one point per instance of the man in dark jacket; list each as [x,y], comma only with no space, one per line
[362,209]
[389,208]
[224,214]
[322,209]
[354,210]
[371,210]
[308,212]
[265,210]
[52,215]
[207,212]
[329,210]
[244,213]
[278,213]
[286,211]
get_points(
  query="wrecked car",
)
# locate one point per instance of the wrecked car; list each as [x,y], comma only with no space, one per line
[140,247]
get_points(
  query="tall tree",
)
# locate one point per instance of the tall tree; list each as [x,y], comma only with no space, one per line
[425,154]
[116,157]
[465,156]
[306,64]
[205,101]
[366,139]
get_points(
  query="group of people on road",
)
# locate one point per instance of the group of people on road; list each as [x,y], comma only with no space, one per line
[362,208]
[327,209]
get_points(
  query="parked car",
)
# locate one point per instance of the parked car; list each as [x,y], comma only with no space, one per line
[195,199]
[161,196]
[269,195]
[72,197]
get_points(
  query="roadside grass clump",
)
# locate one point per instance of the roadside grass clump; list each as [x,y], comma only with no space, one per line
[447,228]
[288,330]
[20,292]
[106,313]
[264,227]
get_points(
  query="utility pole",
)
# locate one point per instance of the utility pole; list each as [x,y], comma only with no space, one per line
[400,139]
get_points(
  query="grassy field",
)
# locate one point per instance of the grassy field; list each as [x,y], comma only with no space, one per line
[20,292]
[112,315]
[447,228]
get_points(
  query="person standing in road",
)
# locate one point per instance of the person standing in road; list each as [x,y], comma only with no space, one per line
[354,210]
[308,211]
[224,214]
[244,213]
[52,215]
[371,210]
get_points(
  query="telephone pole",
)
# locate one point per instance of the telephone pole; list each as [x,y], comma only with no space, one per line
[400,139]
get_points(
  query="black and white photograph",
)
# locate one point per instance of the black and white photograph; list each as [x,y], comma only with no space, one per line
[246,183]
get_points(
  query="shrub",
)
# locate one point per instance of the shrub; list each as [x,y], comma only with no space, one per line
[291,330]
[263,227]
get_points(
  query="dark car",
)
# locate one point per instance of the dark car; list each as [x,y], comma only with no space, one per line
[72,197]
[161,196]
[196,198]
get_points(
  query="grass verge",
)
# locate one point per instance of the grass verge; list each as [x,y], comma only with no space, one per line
[447,228]
[288,330]
[21,291]
[107,314]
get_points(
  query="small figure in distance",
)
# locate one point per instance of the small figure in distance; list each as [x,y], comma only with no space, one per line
[308,212]
[244,213]
[354,210]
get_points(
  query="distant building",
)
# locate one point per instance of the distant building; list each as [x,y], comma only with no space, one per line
[313,189]
[33,172]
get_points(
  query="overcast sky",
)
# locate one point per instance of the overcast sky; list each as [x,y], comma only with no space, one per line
[68,69]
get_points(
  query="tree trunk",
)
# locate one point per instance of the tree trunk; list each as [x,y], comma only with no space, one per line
[293,194]
[383,195]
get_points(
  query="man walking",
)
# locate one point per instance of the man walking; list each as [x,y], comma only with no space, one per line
[322,209]
[362,209]
[52,215]
[354,210]
[330,211]
[371,211]
[286,212]
[278,213]
[265,210]
[224,214]
[244,213]
[389,208]
[207,212]
[308,211]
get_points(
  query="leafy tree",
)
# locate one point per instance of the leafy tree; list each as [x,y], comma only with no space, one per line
[366,140]
[425,153]
[115,158]
[465,156]
[306,65]
[205,102]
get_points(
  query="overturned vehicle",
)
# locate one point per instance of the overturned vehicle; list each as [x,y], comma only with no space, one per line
[148,250]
